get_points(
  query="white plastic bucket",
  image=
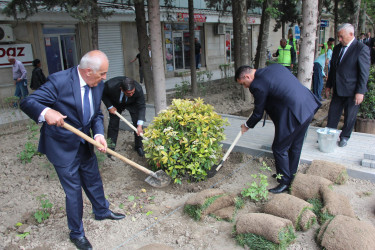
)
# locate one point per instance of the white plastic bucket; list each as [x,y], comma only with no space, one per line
[327,139]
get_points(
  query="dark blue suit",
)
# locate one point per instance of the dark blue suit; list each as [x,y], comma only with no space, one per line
[75,162]
[291,106]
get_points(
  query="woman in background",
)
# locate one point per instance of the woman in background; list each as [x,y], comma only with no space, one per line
[37,77]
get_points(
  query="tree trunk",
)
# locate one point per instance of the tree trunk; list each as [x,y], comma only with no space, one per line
[261,54]
[317,48]
[143,42]
[336,18]
[236,34]
[160,95]
[194,84]
[356,16]
[306,61]
[244,44]
[363,18]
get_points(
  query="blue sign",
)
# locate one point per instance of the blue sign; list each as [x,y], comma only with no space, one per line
[297,32]
[324,23]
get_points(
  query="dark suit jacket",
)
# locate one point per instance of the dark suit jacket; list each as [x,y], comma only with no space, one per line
[62,92]
[351,75]
[288,103]
[136,103]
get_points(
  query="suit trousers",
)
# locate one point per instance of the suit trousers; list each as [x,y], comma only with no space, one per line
[287,152]
[318,81]
[113,128]
[339,103]
[83,172]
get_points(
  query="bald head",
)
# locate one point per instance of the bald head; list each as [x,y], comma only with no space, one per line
[93,67]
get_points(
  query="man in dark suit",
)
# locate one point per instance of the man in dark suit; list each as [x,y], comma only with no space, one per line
[347,78]
[122,93]
[74,95]
[290,105]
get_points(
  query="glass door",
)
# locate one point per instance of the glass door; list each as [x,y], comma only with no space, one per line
[178,50]
[186,50]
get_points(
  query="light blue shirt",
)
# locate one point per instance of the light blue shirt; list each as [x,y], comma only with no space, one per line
[322,59]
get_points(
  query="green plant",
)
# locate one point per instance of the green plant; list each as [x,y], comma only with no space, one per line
[317,209]
[367,107]
[201,80]
[257,190]
[182,89]
[22,236]
[12,101]
[43,214]
[184,140]
[30,149]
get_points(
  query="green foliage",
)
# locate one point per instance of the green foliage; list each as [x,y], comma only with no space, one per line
[195,211]
[253,241]
[257,190]
[317,209]
[367,107]
[22,236]
[12,101]
[184,140]
[43,214]
[182,89]
[31,148]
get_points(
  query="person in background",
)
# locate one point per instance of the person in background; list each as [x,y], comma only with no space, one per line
[198,52]
[285,54]
[122,93]
[74,95]
[347,79]
[362,38]
[325,46]
[318,73]
[138,57]
[289,104]
[293,42]
[37,76]
[19,77]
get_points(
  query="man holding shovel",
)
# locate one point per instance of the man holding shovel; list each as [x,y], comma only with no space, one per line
[290,105]
[122,93]
[74,96]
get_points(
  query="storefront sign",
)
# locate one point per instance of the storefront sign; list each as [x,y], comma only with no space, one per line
[184,17]
[253,20]
[21,52]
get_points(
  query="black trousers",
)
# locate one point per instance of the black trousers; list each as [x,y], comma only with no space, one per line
[287,152]
[113,128]
[338,104]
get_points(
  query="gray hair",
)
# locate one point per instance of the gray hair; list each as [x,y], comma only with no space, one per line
[93,60]
[346,26]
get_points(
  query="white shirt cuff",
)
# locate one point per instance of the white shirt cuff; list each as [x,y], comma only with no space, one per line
[140,122]
[41,116]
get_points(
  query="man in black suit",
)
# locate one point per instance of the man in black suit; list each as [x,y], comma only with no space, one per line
[348,75]
[122,93]
[290,105]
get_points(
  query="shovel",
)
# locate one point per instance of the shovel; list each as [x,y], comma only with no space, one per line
[156,179]
[215,168]
[128,123]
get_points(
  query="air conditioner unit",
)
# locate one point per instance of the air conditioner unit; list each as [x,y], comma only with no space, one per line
[6,33]
[220,29]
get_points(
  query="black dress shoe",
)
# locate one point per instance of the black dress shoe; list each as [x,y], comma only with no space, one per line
[279,189]
[140,152]
[343,142]
[274,176]
[82,243]
[111,216]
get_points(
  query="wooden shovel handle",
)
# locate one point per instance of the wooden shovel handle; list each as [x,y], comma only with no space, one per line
[109,151]
[127,122]
[232,146]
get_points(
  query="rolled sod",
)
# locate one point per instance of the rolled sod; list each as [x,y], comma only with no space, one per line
[308,186]
[343,232]
[336,204]
[292,208]
[332,171]
[259,230]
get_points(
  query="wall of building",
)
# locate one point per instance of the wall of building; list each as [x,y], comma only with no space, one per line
[130,48]
[214,47]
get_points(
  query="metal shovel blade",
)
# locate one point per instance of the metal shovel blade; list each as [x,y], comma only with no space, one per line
[160,180]
[214,169]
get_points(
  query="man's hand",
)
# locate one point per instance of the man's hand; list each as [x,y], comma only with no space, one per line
[139,130]
[358,98]
[112,110]
[101,140]
[54,117]
[244,128]
[328,92]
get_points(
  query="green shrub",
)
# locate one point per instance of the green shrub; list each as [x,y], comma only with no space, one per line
[257,190]
[184,140]
[367,107]
[43,214]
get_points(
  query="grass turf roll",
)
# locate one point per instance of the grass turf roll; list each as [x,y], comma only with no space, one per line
[332,171]
[308,186]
